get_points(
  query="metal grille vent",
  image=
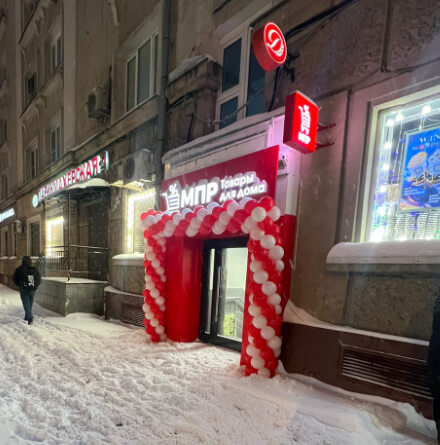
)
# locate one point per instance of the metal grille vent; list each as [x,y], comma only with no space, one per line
[132,315]
[401,373]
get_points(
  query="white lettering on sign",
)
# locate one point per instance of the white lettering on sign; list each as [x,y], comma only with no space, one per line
[90,168]
[220,190]
[7,214]
[304,132]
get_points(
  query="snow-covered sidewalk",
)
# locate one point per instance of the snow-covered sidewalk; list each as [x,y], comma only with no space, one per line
[81,380]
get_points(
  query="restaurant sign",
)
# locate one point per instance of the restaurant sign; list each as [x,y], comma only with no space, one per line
[89,169]
[7,214]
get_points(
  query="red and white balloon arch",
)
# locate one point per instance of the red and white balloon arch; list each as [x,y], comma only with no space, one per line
[259,220]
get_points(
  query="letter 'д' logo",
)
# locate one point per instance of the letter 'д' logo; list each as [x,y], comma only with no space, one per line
[269,46]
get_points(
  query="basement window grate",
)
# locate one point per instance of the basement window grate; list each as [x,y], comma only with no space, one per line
[132,315]
[387,370]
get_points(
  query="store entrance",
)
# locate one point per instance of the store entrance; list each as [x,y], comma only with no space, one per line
[223,292]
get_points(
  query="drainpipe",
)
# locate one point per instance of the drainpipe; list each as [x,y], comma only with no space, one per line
[162,102]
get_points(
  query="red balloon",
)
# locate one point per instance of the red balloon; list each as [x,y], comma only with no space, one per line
[260,299]
[253,331]
[155,338]
[254,288]
[239,216]
[267,354]
[226,203]
[208,221]
[217,211]
[249,206]
[250,370]
[268,311]
[232,226]
[260,254]
[268,264]
[260,343]
[271,364]
[189,216]
[266,202]
[204,231]
[150,330]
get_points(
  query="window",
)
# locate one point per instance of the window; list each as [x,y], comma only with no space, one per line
[405,198]
[3,131]
[138,203]
[4,187]
[55,143]
[55,54]
[31,166]
[141,73]
[242,90]
[4,242]
[34,235]
[54,236]
[30,87]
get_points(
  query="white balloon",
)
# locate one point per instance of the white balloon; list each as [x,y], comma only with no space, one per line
[267,241]
[211,206]
[256,234]
[276,253]
[195,223]
[250,222]
[224,218]
[149,285]
[274,213]
[201,214]
[145,308]
[274,299]
[177,218]
[148,248]
[154,323]
[163,337]
[267,332]
[278,309]
[190,231]
[149,315]
[162,308]
[255,266]
[163,278]
[259,321]
[149,220]
[264,372]
[254,310]
[279,266]
[160,301]
[232,208]
[170,226]
[269,288]
[148,337]
[277,352]
[161,242]
[160,329]
[154,293]
[245,228]
[251,339]
[257,362]
[261,276]
[185,211]
[160,270]
[155,263]
[274,343]
[150,256]
[252,351]
[258,214]
[218,228]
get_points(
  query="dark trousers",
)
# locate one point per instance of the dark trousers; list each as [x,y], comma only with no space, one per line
[27,298]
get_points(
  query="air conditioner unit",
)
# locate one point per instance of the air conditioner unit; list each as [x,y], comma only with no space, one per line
[139,167]
[98,103]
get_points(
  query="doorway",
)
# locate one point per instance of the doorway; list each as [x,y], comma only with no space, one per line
[223,292]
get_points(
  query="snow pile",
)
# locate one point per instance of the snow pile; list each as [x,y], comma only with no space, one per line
[80,380]
[386,252]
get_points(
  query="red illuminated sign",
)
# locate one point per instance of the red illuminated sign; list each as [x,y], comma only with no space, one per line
[300,123]
[270,47]
[253,175]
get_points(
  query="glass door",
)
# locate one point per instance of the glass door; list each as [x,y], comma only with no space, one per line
[223,290]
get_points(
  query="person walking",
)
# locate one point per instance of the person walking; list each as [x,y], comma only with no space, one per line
[27,278]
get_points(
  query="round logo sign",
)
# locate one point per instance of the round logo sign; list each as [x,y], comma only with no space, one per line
[269,46]
[35,200]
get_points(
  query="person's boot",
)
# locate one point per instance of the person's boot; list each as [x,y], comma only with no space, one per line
[31,320]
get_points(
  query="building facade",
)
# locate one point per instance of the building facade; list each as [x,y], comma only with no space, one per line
[165,88]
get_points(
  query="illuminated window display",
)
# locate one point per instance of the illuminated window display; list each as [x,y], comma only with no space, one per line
[54,236]
[137,204]
[405,200]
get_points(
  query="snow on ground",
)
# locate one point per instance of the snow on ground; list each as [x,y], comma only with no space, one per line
[81,380]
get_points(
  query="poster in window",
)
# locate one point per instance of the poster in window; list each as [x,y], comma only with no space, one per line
[421,171]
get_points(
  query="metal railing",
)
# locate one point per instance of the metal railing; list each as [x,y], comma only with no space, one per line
[74,260]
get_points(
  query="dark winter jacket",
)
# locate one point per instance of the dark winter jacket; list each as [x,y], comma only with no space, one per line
[26,276]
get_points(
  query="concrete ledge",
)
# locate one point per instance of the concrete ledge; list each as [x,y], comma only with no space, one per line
[77,295]
[115,300]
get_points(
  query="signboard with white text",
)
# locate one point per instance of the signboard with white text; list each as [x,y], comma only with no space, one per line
[253,175]
[7,214]
[89,169]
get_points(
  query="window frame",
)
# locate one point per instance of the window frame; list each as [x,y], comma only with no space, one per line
[154,71]
[32,148]
[58,149]
[373,134]
[32,220]
[241,89]
[54,62]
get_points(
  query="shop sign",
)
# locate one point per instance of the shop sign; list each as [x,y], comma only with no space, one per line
[269,46]
[300,122]
[253,175]
[89,169]
[7,214]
